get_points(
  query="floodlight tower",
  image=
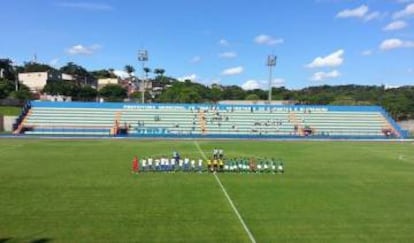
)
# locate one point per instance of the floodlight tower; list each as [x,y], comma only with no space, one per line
[143,57]
[271,62]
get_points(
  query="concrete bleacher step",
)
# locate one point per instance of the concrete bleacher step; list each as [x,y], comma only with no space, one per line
[185,119]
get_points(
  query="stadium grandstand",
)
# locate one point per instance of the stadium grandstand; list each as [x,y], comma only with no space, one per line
[205,120]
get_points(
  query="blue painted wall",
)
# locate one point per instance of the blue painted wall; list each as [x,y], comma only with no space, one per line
[108,105]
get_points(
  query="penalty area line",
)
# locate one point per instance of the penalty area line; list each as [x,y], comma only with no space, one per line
[249,233]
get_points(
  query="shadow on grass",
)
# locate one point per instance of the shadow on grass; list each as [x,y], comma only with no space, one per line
[40,240]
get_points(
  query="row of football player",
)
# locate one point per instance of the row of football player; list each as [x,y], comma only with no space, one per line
[231,165]
[245,165]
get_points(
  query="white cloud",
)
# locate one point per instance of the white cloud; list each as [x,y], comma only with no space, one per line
[332,60]
[268,40]
[195,59]
[192,77]
[358,12]
[83,50]
[372,16]
[228,55]
[86,6]
[396,25]
[366,53]
[278,82]
[321,76]
[361,12]
[232,71]
[390,44]
[223,42]
[250,85]
[254,84]
[406,12]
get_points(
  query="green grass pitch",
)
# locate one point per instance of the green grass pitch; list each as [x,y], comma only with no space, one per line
[10,110]
[83,191]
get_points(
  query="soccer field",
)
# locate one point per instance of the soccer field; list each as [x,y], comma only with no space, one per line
[83,191]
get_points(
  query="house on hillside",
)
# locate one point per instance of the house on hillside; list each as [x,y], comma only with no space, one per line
[67,77]
[37,80]
[105,81]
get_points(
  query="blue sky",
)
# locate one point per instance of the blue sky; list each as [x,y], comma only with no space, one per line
[221,41]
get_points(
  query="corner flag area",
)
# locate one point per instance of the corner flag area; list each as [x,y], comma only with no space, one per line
[59,190]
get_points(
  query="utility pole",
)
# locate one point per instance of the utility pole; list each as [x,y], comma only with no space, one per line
[16,78]
[271,62]
[143,57]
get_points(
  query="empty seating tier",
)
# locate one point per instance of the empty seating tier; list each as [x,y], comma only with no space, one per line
[198,120]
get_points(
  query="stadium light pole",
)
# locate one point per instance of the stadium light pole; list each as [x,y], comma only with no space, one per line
[271,62]
[143,57]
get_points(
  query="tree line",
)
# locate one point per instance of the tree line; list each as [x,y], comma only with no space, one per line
[399,102]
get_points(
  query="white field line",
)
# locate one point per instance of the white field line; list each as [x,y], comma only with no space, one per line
[251,237]
[404,158]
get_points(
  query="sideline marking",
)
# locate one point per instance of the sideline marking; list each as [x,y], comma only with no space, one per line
[403,158]
[228,198]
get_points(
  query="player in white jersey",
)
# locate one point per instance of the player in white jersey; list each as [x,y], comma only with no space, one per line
[280,168]
[240,166]
[200,165]
[220,154]
[162,164]
[167,165]
[157,164]
[245,167]
[233,167]
[259,167]
[215,153]
[273,166]
[180,164]
[226,167]
[150,164]
[175,155]
[172,164]
[265,167]
[144,165]
[186,163]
